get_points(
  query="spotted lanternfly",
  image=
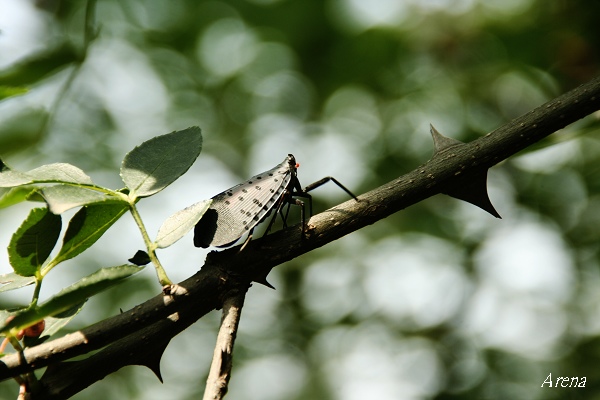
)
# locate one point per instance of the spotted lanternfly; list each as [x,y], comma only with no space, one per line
[238,210]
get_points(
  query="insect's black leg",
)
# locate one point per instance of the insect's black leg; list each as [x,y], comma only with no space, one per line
[302,217]
[284,217]
[320,182]
[277,211]
[270,223]
[307,197]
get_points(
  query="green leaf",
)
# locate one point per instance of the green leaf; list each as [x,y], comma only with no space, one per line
[10,91]
[54,324]
[61,198]
[4,314]
[15,195]
[72,295]
[59,173]
[32,243]
[12,281]
[180,223]
[158,162]
[87,226]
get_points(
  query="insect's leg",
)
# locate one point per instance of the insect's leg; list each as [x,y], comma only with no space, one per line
[301,204]
[308,197]
[302,216]
[270,224]
[302,213]
[277,211]
[287,212]
[320,182]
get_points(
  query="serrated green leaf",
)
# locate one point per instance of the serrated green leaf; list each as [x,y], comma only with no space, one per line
[180,223]
[72,295]
[87,226]
[12,281]
[58,173]
[158,162]
[14,178]
[61,198]
[32,243]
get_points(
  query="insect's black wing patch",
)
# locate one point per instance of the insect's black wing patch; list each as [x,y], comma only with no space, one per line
[206,228]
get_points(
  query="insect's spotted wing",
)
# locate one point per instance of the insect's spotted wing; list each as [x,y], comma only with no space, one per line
[237,210]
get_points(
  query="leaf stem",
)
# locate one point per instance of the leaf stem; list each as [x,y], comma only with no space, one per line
[36,291]
[150,246]
[15,343]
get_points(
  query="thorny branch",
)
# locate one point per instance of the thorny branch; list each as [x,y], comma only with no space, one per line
[146,330]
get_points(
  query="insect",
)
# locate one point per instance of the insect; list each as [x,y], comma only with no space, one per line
[238,210]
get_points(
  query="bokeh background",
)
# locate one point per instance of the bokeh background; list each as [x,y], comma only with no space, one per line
[440,301]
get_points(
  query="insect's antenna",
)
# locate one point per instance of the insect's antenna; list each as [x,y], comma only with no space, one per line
[321,182]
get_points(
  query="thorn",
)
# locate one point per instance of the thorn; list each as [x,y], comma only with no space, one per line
[472,189]
[263,281]
[155,367]
[152,360]
[441,142]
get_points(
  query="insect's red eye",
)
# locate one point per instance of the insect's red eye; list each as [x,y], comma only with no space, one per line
[297,165]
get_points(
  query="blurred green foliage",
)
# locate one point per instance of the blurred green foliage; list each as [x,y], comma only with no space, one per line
[439,301]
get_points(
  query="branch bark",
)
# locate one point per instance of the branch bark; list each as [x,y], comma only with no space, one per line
[145,330]
[220,368]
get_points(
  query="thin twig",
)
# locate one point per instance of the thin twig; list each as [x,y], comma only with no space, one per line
[220,368]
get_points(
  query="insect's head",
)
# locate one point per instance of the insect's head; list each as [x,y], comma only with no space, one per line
[292,162]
